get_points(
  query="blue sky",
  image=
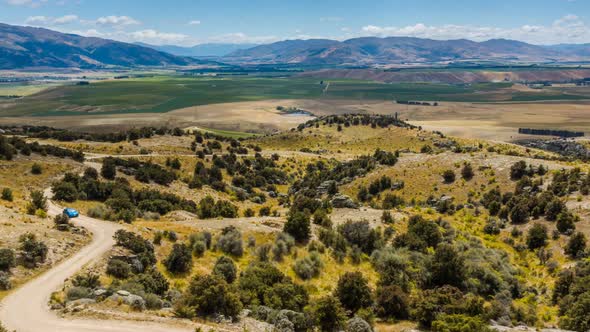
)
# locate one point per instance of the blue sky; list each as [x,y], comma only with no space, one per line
[185,22]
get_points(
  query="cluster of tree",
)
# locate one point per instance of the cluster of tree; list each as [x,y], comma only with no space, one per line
[347,120]
[572,294]
[9,146]
[421,103]
[529,200]
[376,187]
[209,208]
[550,132]
[65,135]
[340,172]
[247,174]
[143,171]
[122,201]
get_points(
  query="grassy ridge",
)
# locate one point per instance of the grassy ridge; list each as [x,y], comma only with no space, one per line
[166,93]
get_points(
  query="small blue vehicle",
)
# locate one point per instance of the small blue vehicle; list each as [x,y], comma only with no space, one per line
[71,213]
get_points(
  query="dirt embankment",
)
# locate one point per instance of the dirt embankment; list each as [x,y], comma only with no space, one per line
[450,77]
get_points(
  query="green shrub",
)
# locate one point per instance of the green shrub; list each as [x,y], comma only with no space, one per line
[36,169]
[308,267]
[118,269]
[210,295]
[298,226]
[353,291]
[7,259]
[459,323]
[153,302]
[7,194]
[180,259]
[537,237]
[230,241]
[89,280]
[76,293]
[391,302]
[5,283]
[328,314]
[448,176]
[225,268]
[33,252]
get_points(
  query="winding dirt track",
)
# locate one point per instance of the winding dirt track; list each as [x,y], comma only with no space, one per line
[26,309]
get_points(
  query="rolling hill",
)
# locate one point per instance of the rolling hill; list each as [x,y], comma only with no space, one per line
[28,47]
[381,51]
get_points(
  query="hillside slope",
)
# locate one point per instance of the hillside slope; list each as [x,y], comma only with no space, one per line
[373,50]
[25,47]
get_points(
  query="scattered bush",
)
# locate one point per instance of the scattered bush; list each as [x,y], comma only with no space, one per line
[7,194]
[328,314]
[226,269]
[353,291]
[180,259]
[298,226]
[230,241]
[36,169]
[7,259]
[209,295]
[118,269]
[308,267]
[33,252]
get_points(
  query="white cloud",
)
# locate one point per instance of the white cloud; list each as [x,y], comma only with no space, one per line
[50,21]
[158,38]
[67,19]
[37,20]
[568,29]
[29,3]
[116,21]
[194,22]
[148,36]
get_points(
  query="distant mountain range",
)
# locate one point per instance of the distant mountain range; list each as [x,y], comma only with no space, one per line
[395,50]
[27,47]
[201,50]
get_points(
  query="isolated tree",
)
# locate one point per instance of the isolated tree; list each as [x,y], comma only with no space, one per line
[576,245]
[7,259]
[180,259]
[448,266]
[328,314]
[448,176]
[386,217]
[519,213]
[33,252]
[353,291]
[298,226]
[108,169]
[537,237]
[36,169]
[565,222]
[518,170]
[230,241]
[90,173]
[226,268]
[467,172]
[38,202]
[7,194]
[391,301]
[209,295]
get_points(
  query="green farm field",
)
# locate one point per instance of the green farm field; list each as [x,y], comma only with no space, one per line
[167,93]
